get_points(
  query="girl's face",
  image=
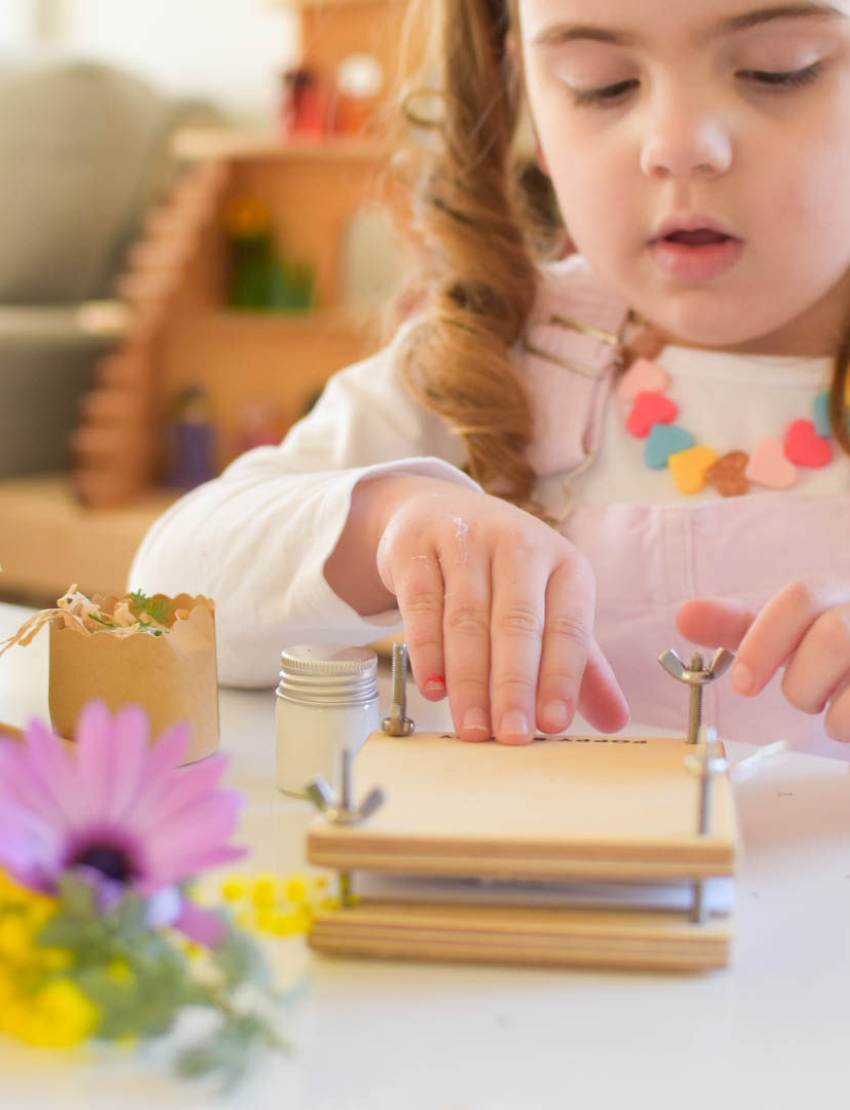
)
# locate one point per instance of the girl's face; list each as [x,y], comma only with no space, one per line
[728,116]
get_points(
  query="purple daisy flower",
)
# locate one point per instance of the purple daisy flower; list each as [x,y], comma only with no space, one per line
[120,811]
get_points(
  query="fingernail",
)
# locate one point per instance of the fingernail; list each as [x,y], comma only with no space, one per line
[743,679]
[475,720]
[435,684]
[556,715]
[515,723]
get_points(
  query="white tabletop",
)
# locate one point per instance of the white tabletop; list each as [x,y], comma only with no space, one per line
[770,1032]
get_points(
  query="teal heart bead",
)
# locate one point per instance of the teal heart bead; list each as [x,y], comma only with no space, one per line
[665,440]
[821,415]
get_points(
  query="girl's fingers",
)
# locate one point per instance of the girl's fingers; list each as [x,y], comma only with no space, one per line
[601,701]
[466,639]
[567,635]
[520,601]
[715,622]
[419,595]
[821,663]
[779,628]
[837,721]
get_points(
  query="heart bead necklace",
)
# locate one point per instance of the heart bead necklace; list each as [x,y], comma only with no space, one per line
[651,413]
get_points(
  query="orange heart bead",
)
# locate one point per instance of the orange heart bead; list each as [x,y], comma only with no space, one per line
[728,474]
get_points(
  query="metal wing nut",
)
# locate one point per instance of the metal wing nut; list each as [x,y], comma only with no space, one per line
[674,666]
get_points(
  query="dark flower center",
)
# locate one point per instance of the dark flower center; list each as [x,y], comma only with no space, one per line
[111,862]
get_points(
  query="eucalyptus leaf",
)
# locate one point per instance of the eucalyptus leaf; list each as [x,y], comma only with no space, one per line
[77,896]
[241,960]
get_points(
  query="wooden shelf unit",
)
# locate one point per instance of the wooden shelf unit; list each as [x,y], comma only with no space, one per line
[181,334]
[178,332]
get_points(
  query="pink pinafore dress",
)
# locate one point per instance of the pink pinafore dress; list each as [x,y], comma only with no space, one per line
[650,559]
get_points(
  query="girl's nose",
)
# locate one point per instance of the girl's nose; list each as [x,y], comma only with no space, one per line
[686,142]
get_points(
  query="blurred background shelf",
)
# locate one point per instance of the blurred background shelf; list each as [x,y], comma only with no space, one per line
[50,540]
[199,143]
[156,326]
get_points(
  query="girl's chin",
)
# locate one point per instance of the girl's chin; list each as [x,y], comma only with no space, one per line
[704,319]
[706,331]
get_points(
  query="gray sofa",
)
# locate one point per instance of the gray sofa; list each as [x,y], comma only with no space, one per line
[84,154]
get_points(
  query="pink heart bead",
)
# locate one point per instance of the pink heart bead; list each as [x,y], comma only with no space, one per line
[650,409]
[805,447]
[643,376]
[768,465]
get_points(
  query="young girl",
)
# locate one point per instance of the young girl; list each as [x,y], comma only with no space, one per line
[554,469]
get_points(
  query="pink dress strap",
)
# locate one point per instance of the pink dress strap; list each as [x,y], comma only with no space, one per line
[567,359]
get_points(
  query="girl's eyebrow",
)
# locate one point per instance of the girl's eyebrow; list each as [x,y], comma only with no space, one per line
[566,32]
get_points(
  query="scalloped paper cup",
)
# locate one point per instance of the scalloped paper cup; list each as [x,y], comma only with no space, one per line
[173,677]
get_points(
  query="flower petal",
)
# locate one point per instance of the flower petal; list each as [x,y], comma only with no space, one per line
[24,778]
[164,907]
[184,788]
[96,757]
[30,849]
[200,925]
[204,825]
[164,759]
[58,767]
[131,740]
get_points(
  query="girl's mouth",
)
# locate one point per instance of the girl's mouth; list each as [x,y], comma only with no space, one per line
[698,255]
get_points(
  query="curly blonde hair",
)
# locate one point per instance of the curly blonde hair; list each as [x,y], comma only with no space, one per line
[487,227]
[483,270]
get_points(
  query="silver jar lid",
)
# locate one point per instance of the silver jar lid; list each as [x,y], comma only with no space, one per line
[328,659]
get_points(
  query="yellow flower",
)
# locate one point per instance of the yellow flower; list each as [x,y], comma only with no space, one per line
[7,991]
[120,972]
[278,905]
[296,889]
[264,891]
[16,938]
[291,924]
[57,1015]
[263,920]
[234,889]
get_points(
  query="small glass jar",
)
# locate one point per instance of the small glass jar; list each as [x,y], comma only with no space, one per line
[327,701]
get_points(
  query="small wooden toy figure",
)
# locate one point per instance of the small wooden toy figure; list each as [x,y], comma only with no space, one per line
[261,279]
[260,424]
[257,279]
[306,110]
[192,447]
[359,84]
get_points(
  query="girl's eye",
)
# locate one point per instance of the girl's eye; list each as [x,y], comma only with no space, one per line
[789,80]
[608,95]
[774,82]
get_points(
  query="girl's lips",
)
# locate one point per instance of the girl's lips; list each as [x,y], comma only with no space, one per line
[695,262]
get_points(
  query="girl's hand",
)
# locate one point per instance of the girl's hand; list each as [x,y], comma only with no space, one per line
[805,628]
[488,592]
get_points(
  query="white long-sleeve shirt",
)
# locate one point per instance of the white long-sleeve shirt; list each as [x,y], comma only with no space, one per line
[257,538]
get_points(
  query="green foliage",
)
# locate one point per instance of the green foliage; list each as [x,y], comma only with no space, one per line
[157,610]
[141,979]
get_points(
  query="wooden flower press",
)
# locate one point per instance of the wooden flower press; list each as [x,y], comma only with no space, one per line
[594,850]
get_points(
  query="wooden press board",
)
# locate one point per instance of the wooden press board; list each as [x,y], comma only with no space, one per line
[622,809]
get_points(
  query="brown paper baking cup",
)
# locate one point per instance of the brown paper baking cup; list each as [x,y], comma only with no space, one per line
[173,677]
